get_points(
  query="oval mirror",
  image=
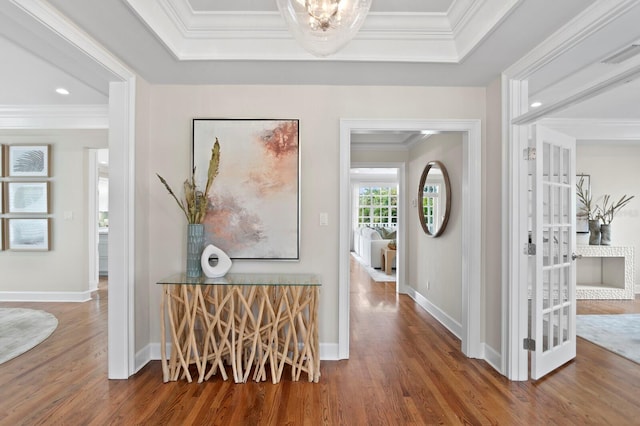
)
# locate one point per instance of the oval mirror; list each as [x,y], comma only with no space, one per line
[434,198]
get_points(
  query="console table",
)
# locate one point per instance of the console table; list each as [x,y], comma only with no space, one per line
[250,322]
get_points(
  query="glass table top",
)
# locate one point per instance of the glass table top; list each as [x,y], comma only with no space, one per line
[245,279]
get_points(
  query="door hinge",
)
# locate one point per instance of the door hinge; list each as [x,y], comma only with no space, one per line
[528,344]
[530,154]
[530,249]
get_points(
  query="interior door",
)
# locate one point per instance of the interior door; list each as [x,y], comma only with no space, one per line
[553,321]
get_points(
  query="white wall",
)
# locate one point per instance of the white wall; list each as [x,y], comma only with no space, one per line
[437,261]
[614,170]
[65,267]
[379,156]
[492,160]
[145,312]
[319,109]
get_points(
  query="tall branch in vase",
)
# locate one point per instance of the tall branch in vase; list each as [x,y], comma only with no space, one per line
[195,203]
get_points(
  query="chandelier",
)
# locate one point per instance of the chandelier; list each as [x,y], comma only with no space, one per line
[323,27]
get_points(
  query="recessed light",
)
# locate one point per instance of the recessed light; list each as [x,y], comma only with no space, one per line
[536,104]
[62,91]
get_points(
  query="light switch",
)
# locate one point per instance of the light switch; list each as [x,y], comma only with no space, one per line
[68,215]
[324,219]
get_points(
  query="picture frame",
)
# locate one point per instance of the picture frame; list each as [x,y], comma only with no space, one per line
[1,235]
[582,219]
[27,197]
[28,234]
[254,209]
[28,161]
[1,198]
[1,163]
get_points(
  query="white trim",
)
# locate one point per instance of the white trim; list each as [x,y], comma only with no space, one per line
[514,285]
[589,129]
[54,117]
[146,354]
[45,296]
[592,19]
[151,352]
[449,323]
[49,16]
[385,36]
[592,89]
[121,229]
[92,219]
[492,356]
[471,222]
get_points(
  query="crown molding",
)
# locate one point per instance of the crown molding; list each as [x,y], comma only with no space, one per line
[48,16]
[589,129]
[384,37]
[54,117]
[592,19]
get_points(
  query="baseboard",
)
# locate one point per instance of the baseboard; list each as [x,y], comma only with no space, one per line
[45,296]
[444,319]
[328,352]
[143,356]
[493,357]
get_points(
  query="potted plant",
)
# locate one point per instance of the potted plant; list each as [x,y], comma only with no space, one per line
[607,212]
[591,212]
[195,206]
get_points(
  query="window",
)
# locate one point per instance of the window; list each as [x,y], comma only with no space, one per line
[431,206]
[378,206]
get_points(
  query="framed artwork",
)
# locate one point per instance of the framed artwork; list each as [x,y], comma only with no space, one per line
[1,163]
[254,210]
[27,197]
[28,160]
[582,217]
[1,234]
[1,199]
[27,234]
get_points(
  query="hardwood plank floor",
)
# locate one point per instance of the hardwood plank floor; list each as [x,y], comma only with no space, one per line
[405,369]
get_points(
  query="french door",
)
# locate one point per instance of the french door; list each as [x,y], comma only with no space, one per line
[553,303]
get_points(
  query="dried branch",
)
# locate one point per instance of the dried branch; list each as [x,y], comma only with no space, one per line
[196,202]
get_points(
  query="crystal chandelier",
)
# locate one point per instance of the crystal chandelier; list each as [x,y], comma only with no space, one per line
[323,27]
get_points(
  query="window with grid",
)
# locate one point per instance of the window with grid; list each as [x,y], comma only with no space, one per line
[378,206]
[430,205]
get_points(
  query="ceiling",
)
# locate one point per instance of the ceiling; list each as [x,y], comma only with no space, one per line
[403,42]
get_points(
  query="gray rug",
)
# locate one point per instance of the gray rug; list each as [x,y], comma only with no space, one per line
[617,333]
[22,329]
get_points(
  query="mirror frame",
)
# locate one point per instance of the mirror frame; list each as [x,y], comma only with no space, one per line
[447,186]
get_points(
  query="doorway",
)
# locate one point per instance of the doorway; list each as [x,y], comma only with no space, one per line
[471,250]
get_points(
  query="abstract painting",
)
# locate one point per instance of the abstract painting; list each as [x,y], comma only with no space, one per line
[28,160]
[254,207]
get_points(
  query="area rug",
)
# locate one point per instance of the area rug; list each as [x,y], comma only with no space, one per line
[616,333]
[22,329]
[377,275]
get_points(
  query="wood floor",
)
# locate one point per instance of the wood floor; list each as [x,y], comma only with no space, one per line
[405,369]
